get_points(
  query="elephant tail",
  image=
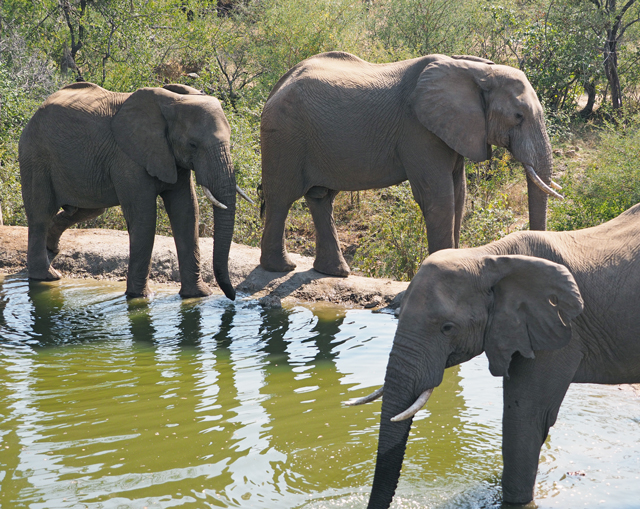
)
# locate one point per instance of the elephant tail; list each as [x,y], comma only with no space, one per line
[261,198]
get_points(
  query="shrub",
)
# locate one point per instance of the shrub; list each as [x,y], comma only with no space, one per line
[606,187]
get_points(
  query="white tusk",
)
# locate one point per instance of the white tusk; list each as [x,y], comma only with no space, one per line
[538,182]
[371,397]
[244,195]
[556,186]
[413,409]
[213,200]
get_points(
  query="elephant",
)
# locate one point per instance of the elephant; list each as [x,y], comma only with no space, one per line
[336,123]
[548,309]
[86,149]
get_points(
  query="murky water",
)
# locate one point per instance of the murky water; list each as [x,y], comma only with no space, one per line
[109,403]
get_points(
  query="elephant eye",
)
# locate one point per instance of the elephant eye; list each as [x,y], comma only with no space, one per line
[193,145]
[448,328]
[519,116]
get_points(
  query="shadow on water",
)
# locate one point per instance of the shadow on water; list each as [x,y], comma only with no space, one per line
[109,402]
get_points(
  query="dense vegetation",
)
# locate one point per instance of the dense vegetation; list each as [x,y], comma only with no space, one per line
[237,50]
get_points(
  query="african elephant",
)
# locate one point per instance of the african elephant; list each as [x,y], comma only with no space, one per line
[337,123]
[86,149]
[548,309]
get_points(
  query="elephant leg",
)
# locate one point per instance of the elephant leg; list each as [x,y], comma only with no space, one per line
[532,397]
[438,206]
[460,192]
[39,221]
[273,253]
[67,217]
[329,259]
[140,213]
[182,209]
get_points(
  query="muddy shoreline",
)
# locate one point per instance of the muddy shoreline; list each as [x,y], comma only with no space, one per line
[104,254]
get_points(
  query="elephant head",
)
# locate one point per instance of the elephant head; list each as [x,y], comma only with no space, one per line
[163,129]
[457,306]
[471,104]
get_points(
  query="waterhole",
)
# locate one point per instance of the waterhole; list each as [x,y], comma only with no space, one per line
[113,403]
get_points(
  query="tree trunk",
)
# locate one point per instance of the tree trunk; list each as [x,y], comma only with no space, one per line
[590,90]
[611,69]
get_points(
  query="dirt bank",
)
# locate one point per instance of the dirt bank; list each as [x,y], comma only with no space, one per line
[104,254]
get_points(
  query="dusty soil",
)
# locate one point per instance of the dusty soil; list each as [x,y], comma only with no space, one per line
[104,254]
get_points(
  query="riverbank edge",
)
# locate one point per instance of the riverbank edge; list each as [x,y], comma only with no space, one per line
[104,254]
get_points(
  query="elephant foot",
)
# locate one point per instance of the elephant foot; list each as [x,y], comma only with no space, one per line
[199,290]
[518,498]
[49,274]
[133,293]
[283,264]
[340,269]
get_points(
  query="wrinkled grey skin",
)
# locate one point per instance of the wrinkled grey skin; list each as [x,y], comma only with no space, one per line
[87,149]
[337,123]
[548,308]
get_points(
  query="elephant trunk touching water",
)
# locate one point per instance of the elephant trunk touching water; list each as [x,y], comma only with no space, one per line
[223,218]
[547,308]
[405,363]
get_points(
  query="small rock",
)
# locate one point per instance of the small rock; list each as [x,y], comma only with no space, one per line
[270,301]
[570,153]
[557,152]
[373,303]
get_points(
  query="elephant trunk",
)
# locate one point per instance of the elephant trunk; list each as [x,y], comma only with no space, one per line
[533,149]
[537,197]
[223,187]
[401,388]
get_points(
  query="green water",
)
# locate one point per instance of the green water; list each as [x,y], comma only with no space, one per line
[109,403]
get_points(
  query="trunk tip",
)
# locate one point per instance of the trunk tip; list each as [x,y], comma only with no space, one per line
[228,290]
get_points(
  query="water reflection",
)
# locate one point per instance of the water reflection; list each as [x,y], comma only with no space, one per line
[109,402]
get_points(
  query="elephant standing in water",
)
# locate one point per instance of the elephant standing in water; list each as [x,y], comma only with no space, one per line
[548,309]
[87,149]
[337,123]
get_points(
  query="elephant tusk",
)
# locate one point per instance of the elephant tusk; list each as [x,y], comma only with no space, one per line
[531,173]
[212,199]
[244,195]
[371,397]
[413,409]
[556,186]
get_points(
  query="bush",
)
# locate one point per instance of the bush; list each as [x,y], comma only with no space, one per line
[606,187]
[397,242]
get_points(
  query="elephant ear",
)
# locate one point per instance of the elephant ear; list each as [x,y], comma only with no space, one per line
[139,129]
[534,301]
[448,100]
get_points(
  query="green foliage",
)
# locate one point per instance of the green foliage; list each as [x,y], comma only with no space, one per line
[413,28]
[606,187]
[397,242]
[238,57]
[490,207]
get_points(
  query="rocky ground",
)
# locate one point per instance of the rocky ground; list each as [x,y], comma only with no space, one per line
[104,254]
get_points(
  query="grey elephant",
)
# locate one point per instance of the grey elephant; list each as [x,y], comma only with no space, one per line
[337,123]
[548,309]
[86,149]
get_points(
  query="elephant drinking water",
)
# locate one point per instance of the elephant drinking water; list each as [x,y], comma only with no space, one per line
[86,149]
[548,308]
[337,123]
